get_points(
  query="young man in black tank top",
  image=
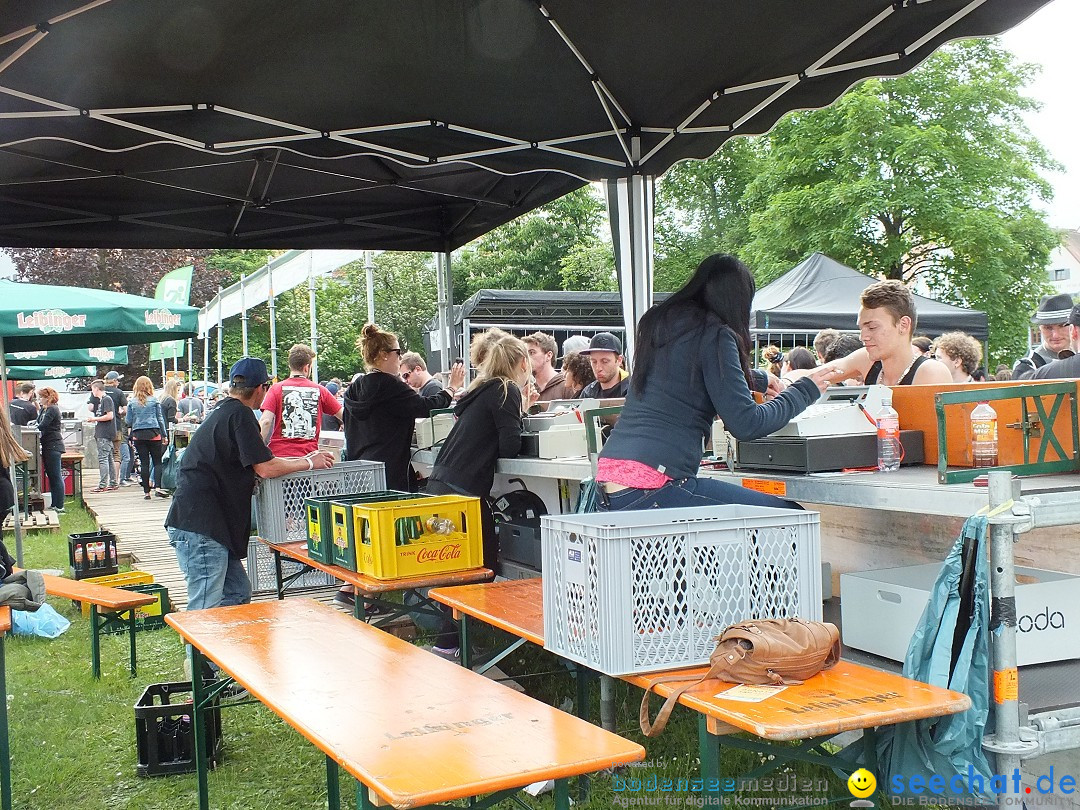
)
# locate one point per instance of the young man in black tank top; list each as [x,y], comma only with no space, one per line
[887,321]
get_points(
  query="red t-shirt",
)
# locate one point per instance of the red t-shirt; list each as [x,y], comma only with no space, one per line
[298,405]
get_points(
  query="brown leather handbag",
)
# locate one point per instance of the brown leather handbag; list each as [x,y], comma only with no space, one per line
[764,651]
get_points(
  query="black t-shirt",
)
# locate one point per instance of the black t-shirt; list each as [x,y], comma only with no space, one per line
[22,412]
[216,477]
[52,439]
[119,399]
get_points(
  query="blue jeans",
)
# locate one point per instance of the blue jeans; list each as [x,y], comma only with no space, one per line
[106,468]
[50,459]
[688,492]
[125,460]
[214,577]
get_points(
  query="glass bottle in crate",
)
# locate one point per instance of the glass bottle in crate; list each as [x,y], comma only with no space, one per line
[984,444]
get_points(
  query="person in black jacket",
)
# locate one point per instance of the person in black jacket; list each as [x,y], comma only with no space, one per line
[381,409]
[52,444]
[488,427]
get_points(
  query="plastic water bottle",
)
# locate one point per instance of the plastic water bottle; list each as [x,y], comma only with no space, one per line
[984,445]
[888,435]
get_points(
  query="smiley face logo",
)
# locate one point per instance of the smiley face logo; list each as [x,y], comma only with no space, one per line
[862,783]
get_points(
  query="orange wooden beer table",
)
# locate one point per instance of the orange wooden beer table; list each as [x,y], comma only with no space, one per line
[848,697]
[413,729]
[370,591]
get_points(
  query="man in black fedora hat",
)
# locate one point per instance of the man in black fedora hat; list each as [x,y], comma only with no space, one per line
[1068,367]
[1052,318]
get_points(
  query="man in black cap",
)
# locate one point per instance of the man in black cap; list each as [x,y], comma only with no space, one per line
[1052,319]
[605,357]
[209,522]
[1068,367]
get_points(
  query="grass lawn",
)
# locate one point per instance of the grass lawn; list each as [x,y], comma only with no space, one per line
[73,738]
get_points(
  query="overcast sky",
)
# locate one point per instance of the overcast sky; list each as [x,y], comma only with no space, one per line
[1048,38]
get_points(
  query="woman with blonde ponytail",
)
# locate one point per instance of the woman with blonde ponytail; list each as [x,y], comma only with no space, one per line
[488,428]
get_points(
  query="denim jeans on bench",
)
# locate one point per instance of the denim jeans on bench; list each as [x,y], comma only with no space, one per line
[688,492]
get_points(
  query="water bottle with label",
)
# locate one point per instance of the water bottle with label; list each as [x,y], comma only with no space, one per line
[888,435]
[984,446]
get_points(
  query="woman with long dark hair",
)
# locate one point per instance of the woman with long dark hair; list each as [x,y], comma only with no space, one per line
[693,364]
[52,444]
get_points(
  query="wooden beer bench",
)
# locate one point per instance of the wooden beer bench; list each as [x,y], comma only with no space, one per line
[848,697]
[370,591]
[413,729]
[105,602]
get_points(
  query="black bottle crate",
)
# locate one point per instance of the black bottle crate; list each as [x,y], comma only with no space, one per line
[88,558]
[163,731]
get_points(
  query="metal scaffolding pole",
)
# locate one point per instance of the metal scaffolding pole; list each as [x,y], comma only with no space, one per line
[220,329]
[369,269]
[273,321]
[243,319]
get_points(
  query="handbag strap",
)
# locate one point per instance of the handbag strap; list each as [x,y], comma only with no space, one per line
[654,727]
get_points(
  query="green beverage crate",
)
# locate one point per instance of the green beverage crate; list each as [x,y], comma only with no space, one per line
[147,617]
[342,541]
[320,537]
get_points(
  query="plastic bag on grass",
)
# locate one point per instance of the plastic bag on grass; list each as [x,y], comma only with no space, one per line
[44,622]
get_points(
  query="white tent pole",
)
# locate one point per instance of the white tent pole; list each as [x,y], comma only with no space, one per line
[630,216]
[16,516]
[311,317]
[162,371]
[205,361]
[273,321]
[444,285]
[219,337]
[243,318]
[369,268]
[190,357]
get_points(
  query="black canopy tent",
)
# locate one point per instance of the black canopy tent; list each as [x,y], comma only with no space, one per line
[407,124]
[820,292]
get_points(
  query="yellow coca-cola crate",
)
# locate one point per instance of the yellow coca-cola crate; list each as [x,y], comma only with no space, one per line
[413,538]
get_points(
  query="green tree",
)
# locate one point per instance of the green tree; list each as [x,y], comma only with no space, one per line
[701,210]
[529,252]
[928,177]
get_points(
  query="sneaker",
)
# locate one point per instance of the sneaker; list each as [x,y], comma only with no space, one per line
[146,497]
[346,598]
[111,488]
[233,693]
[58,509]
[161,493]
[125,483]
[452,654]
[100,488]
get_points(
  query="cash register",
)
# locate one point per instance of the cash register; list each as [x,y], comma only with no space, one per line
[837,432]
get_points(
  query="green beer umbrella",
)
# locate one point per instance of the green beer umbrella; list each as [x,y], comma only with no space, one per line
[116,355]
[57,371]
[36,317]
[44,317]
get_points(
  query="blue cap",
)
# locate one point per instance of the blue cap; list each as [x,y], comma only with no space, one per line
[248,372]
[333,388]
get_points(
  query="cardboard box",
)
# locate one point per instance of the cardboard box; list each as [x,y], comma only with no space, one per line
[880,609]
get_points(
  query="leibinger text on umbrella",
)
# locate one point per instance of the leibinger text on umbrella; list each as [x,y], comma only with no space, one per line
[161,318]
[49,321]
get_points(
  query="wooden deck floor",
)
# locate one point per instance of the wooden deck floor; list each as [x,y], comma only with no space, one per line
[139,526]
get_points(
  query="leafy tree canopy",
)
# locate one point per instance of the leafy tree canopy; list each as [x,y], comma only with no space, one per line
[552,248]
[927,178]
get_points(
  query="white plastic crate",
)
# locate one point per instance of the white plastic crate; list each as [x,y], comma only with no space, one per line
[260,568]
[279,502]
[641,591]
